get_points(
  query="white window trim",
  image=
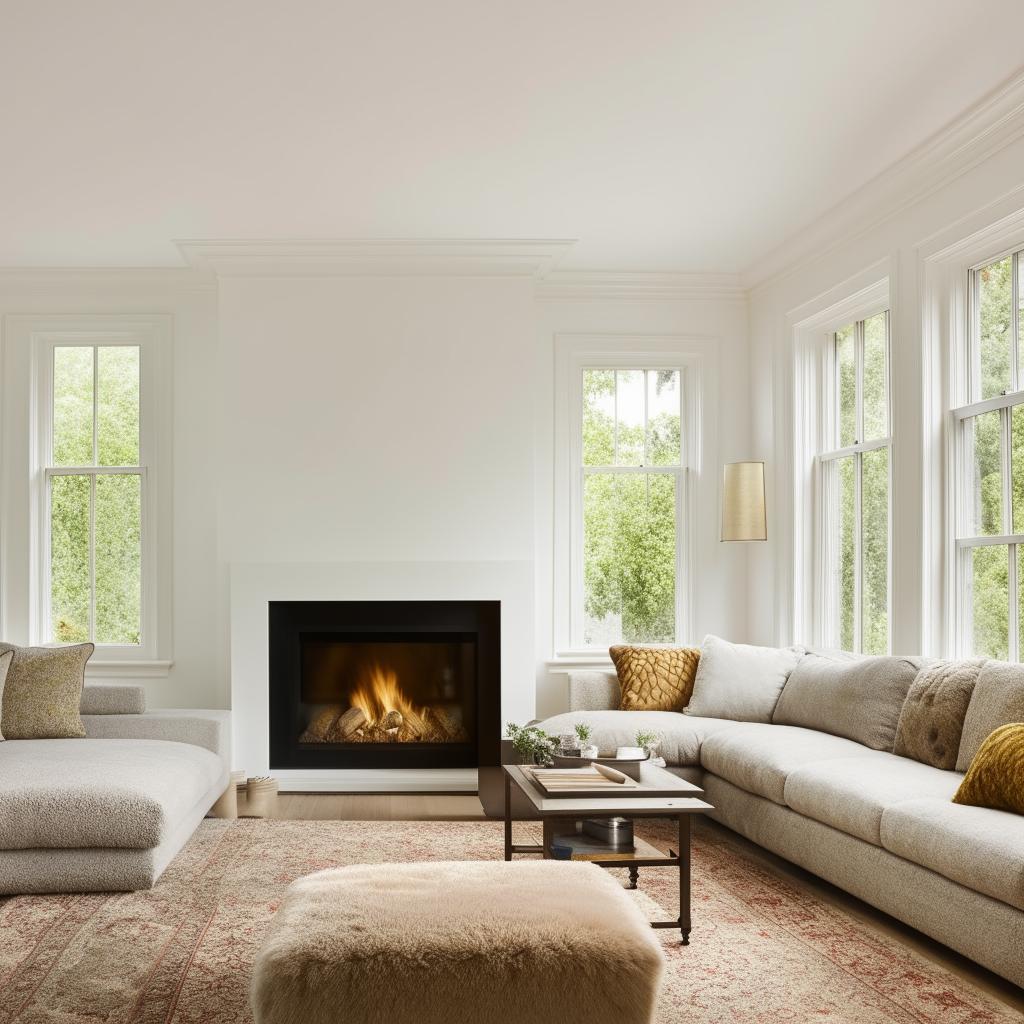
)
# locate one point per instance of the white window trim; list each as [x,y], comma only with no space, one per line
[36,337]
[812,328]
[574,354]
[826,547]
[962,462]
[948,259]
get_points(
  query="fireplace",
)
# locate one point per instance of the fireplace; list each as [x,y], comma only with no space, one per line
[384,684]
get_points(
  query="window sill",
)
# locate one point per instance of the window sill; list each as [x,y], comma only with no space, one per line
[127,669]
[580,661]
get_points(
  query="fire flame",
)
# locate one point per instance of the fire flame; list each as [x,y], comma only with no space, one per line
[378,693]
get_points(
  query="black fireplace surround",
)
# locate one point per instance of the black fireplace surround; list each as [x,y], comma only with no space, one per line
[385,684]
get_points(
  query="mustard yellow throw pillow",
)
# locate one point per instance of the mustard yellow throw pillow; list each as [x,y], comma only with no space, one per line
[996,776]
[655,678]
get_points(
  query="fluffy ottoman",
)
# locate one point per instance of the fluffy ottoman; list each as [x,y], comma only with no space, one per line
[472,942]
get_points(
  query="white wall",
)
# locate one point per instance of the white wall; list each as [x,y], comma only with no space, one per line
[890,228]
[198,677]
[347,420]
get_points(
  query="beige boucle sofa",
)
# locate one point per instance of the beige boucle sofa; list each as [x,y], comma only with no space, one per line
[879,826]
[110,811]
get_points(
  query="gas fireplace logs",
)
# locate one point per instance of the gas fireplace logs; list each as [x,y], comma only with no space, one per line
[334,724]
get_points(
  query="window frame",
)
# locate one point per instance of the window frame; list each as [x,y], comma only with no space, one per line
[826,628]
[152,336]
[966,388]
[582,471]
[574,354]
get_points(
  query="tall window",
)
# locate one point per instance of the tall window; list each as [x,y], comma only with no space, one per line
[94,475]
[854,475]
[989,461]
[631,477]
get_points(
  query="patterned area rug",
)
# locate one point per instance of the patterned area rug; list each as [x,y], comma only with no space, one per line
[762,950]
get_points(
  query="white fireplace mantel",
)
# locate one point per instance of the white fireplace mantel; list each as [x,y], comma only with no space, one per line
[254,585]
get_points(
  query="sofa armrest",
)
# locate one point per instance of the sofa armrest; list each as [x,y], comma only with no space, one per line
[594,691]
[209,729]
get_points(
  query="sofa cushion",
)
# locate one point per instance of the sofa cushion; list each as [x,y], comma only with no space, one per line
[932,719]
[43,692]
[5,663]
[739,681]
[113,699]
[851,793]
[99,793]
[858,698]
[998,699]
[759,758]
[655,678]
[977,847]
[681,735]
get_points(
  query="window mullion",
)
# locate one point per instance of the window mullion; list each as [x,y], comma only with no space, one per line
[1015,375]
[1011,576]
[858,552]
[92,557]
[858,363]
[615,413]
[1005,447]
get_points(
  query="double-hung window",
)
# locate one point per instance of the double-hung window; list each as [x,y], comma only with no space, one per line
[854,474]
[630,479]
[100,474]
[989,466]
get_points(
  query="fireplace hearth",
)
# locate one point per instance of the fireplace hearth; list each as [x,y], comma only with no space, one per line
[384,684]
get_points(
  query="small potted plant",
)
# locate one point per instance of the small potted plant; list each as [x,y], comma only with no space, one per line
[583,733]
[650,742]
[532,744]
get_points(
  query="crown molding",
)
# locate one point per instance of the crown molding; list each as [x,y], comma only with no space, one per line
[990,125]
[614,284]
[179,279]
[483,257]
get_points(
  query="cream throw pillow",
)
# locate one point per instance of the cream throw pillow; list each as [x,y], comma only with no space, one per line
[740,682]
[5,663]
[43,692]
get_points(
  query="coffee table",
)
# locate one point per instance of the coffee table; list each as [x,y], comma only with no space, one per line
[666,796]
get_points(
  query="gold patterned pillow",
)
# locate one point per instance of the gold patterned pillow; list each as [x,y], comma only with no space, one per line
[655,678]
[996,776]
[43,692]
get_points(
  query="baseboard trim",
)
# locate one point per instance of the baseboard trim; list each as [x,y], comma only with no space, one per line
[436,780]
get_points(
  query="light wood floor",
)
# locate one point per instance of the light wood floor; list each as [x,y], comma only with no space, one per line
[449,807]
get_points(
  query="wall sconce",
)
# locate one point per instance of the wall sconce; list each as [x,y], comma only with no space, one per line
[743,505]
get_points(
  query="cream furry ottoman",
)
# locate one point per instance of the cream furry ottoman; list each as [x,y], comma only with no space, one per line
[472,942]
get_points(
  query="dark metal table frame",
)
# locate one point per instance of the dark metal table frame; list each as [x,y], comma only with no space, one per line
[679,859]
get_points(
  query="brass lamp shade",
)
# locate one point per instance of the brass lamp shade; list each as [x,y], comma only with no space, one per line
[743,507]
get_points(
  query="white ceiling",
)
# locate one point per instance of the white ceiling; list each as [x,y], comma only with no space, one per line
[662,134]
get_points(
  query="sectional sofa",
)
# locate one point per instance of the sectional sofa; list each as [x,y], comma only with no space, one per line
[110,811]
[881,826]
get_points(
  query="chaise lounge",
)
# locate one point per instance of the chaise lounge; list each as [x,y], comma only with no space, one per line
[110,811]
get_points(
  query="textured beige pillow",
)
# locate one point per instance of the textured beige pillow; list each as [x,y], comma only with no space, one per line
[43,692]
[5,663]
[932,718]
[859,698]
[655,678]
[998,699]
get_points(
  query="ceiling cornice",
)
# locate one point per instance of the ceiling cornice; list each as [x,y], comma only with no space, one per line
[483,257]
[990,125]
[617,284]
[22,279]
